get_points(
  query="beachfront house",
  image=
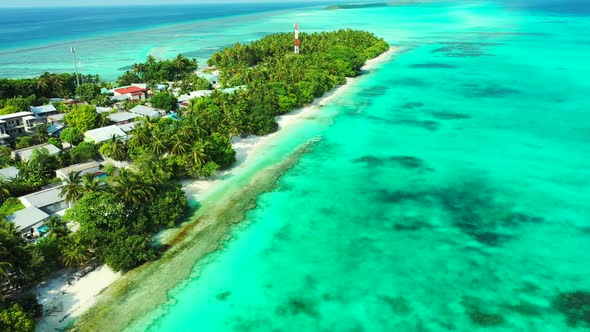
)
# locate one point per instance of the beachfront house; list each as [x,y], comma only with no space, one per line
[132,92]
[28,219]
[9,173]
[17,124]
[103,134]
[142,110]
[90,167]
[26,153]
[44,110]
[122,117]
[48,201]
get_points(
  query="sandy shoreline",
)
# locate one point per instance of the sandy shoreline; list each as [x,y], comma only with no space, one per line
[64,303]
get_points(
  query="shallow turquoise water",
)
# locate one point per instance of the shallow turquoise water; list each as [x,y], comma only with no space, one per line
[450,192]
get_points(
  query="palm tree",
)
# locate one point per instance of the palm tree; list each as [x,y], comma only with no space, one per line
[140,137]
[72,189]
[115,149]
[179,146]
[4,192]
[92,183]
[57,227]
[4,268]
[43,84]
[199,154]
[180,62]
[74,254]
[131,190]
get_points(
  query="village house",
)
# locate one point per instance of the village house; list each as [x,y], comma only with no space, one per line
[48,201]
[44,111]
[142,110]
[26,153]
[122,117]
[132,92]
[90,167]
[104,134]
[9,173]
[17,124]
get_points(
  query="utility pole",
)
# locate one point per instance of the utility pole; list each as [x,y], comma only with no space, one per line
[73,50]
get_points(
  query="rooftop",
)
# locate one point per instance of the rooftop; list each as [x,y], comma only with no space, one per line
[131,89]
[194,94]
[145,111]
[127,127]
[104,134]
[104,109]
[57,117]
[15,115]
[79,167]
[27,217]
[43,109]
[26,153]
[122,116]
[9,173]
[42,198]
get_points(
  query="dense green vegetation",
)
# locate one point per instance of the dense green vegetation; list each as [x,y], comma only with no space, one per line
[119,216]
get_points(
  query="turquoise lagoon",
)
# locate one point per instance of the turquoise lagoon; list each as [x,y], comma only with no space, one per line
[446,190]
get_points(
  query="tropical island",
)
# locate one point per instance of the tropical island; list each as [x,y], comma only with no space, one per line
[110,156]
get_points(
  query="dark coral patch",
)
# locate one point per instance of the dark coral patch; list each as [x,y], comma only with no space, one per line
[479,316]
[298,306]
[426,124]
[411,105]
[399,305]
[407,161]
[370,161]
[575,306]
[489,91]
[223,295]
[449,115]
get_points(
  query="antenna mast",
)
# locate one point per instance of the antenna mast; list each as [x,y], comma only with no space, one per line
[73,50]
[296,38]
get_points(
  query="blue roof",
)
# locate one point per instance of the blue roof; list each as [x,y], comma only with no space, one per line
[54,128]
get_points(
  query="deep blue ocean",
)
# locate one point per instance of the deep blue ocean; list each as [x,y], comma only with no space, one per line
[36,26]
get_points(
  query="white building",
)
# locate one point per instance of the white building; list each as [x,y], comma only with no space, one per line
[17,124]
[84,168]
[26,153]
[142,110]
[104,134]
[48,200]
[44,111]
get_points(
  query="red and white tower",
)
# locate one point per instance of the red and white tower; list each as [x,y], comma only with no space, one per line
[296,38]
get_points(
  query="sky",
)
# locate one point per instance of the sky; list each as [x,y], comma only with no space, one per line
[78,3]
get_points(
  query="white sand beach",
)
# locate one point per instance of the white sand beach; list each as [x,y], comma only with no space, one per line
[64,303]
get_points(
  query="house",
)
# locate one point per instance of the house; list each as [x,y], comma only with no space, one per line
[127,127]
[84,168]
[17,124]
[183,100]
[56,118]
[9,173]
[133,92]
[212,77]
[103,109]
[55,129]
[48,200]
[122,117]
[26,153]
[44,111]
[103,134]
[142,110]
[28,219]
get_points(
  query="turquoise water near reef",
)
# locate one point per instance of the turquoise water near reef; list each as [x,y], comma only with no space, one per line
[447,190]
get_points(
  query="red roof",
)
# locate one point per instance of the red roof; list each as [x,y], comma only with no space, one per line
[131,89]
